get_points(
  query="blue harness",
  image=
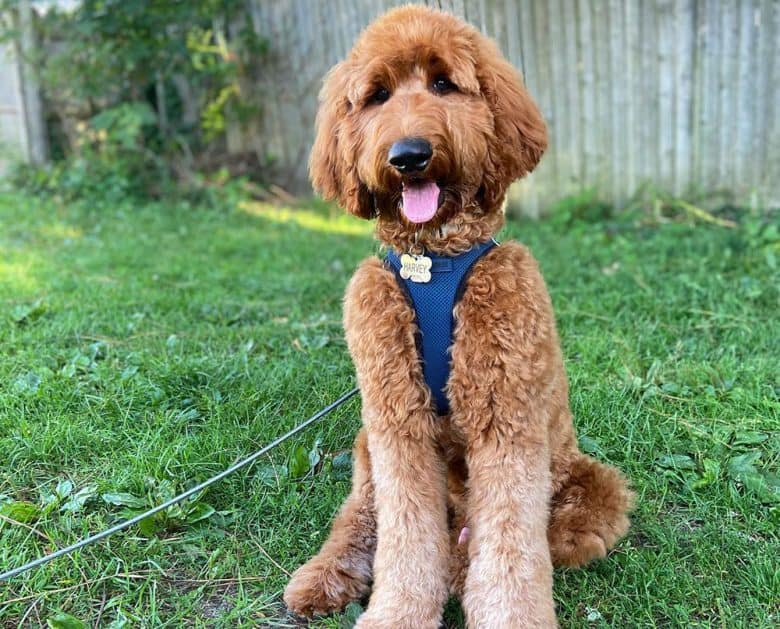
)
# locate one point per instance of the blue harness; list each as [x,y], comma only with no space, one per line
[433,303]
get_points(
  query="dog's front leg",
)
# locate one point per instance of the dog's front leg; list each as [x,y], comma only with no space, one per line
[501,387]
[509,579]
[411,561]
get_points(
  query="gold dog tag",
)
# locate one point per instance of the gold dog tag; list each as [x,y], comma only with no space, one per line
[416,268]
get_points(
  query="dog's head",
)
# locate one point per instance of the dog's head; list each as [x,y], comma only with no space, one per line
[423,119]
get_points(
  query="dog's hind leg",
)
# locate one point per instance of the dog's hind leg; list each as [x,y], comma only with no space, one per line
[341,572]
[588,512]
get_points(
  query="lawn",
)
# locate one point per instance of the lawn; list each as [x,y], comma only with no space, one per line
[145,347]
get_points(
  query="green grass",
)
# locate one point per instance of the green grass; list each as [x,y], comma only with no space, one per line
[144,348]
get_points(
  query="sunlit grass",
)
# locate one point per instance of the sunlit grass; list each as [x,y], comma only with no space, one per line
[334,222]
[18,277]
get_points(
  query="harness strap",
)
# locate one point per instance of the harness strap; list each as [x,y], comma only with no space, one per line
[433,303]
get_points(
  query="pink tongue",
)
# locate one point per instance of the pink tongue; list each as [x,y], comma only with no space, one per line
[420,201]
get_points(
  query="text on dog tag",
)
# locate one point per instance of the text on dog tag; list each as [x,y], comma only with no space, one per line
[416,268]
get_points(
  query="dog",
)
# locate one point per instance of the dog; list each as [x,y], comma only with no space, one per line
[467,477]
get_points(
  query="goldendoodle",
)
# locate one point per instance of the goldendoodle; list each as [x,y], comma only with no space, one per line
[467,475]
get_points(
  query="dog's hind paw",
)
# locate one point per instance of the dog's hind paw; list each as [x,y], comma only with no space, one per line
[589,514]
[318,588]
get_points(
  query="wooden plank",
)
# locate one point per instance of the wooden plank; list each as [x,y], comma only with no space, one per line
[665,80]
[37,144]
[698,90]
[727,96]
[616,90]
[588,97]
[770,190]
[684,42]
[632,90]
[557,96]
[709,146]
[528,62]
[513,47]
[13,131]
[482,12]
[571,144]
[745,87]
[494,25]
[602,86]
[527,191]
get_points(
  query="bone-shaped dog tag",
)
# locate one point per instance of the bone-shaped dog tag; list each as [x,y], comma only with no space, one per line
[416,268]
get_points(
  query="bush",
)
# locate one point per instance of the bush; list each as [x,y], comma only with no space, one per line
[139,92]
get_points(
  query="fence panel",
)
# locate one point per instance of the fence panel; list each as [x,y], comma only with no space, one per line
[683,94]
[13,136]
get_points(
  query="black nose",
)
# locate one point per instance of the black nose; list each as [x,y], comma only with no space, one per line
[410,155]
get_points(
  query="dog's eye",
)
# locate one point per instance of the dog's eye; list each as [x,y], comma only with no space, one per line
[442,85]
[381,95]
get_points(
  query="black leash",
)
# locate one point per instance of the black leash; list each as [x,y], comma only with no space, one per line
[194,490]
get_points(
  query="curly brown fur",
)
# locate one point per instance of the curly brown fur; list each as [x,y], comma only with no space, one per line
[505,462]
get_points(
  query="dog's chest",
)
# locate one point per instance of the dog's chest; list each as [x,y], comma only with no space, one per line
[433,294]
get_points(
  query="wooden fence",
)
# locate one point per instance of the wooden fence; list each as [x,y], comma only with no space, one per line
[681,94]
[14,141]
[22,131]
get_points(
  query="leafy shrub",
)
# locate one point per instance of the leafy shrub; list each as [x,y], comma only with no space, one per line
[111,163]
[138,90]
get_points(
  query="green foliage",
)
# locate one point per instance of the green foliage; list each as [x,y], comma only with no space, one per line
[61,620]
[137,90]
[175,517]
[112,160]
[147,346]
[585,206]
[20,511]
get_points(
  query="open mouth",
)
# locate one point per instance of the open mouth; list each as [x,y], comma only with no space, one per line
[420,200]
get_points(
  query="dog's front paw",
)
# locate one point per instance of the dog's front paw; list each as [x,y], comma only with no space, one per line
[390,619]
[319,588]
[517,595]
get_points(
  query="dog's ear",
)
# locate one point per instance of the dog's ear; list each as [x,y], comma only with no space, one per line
[520,134]
[331,165]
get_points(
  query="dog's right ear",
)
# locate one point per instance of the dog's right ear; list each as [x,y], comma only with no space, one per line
[520,134]
[332,166]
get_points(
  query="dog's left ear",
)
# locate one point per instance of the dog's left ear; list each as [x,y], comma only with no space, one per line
[331,165]
[520,135]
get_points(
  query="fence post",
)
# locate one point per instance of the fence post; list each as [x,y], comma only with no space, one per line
[37,145]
